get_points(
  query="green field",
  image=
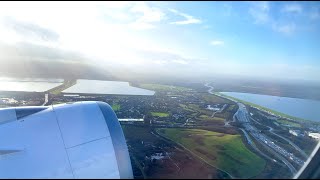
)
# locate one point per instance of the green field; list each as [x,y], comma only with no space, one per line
[205,117]
[224,151]
[285,122]
[160,87]
[116,107]
[231,107]
[185,107]
[215,99]
[160,114]
[58,102]
[197,108]
[206,114]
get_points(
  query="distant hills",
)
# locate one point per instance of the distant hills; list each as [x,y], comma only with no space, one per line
[52,69]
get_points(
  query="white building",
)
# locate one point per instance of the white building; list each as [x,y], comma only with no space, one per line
[314,135]
[294,132]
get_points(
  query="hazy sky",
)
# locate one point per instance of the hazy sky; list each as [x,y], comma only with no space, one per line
[260,39]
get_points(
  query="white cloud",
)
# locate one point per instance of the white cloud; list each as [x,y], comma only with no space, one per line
[180,62]
[160,62]
[260,12]
[292,8]
[287,29]
[217,43]
[315,13]
[228,10]
[188,18]
[141,25]
[83,27]
[135,15]
[116,11]
[147,16]
[26,31]
[206,27]
[116,4]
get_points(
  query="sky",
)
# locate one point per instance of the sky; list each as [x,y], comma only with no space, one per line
[258,39]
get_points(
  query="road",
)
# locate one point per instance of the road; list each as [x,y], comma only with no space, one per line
[278,151]
[290,142]
[251,143]
[243,118]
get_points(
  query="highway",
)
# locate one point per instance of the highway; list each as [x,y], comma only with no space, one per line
[290,142]
[250,142]
[243,118]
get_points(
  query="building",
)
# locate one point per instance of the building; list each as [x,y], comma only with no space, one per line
[294,132]
[314,135]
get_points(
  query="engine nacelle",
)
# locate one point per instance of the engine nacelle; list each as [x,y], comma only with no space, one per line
[77,140]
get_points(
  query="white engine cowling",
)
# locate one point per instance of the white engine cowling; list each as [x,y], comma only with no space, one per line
[78,140]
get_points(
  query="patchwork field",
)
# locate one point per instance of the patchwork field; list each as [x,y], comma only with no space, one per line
[160,87]
[177,163]
[160,114]
[224,151]
[116,107]
[290,123]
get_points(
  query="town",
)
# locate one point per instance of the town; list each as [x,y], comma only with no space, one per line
[279,145]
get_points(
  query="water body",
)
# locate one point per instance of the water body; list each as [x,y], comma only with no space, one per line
[28,84]
[50,80]
[106,87]
[301,108]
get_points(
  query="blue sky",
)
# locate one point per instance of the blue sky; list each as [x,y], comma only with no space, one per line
[262,39]
[239,26]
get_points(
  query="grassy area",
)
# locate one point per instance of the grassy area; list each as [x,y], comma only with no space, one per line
[200,109]
[57,102]
[179,164]
[290,123]
[205,117]
[263,108]
[224,151]
[195,108]
[215,99]
[116,107]
[160,114]
[160,87]
[231,107]
[185,107]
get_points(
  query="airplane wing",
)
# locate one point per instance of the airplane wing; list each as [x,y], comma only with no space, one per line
[78,140]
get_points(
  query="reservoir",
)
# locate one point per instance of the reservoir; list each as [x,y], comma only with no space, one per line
[28,84]
[301,108]
[84,86]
